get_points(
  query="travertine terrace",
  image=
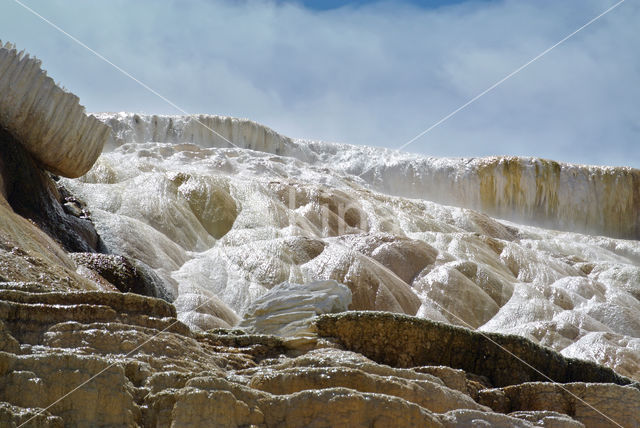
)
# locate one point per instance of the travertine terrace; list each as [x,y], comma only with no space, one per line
[185,281]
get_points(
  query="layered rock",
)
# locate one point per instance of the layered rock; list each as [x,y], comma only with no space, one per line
[587,199]
[303,221]
[98,358]
[128,276]
[31,260]
[595,405]
[224,227]
[153,370]
[129,361]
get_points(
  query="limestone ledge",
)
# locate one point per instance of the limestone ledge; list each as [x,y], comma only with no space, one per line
[153,371]
[599,200]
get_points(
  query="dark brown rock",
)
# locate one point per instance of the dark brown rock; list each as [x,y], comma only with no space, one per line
[127,275]
[33,194]
[404,341]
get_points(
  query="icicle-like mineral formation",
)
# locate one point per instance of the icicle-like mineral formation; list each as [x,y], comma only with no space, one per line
[599,200]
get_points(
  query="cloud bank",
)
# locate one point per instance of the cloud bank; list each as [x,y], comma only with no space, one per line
[375,74]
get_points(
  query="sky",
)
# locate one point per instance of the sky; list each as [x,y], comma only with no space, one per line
[363,72]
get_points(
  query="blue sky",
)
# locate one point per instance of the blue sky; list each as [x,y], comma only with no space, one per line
[375,73]
[335,4]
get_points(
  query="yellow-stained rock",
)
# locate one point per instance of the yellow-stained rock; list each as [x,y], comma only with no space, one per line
[595,405]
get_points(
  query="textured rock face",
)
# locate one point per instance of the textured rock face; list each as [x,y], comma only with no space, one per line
[184,378]
[128,276]
[31,260]
[303,211]
[421,392]
[471,418]
[129,361]
[13,416]
[595,405]
[407,342]
[599,200]
[73,354]
[587,199]
[48,121]
[32,194]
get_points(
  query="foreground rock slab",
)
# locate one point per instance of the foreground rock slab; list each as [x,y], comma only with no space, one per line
[120,359]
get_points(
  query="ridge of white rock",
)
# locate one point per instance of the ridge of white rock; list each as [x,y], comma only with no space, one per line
[580,198]
[287,309]
[47,120]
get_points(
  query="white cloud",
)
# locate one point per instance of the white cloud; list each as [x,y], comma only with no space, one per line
[377,74]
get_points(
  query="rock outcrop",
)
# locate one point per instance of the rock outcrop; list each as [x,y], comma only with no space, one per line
[153,371]
[105,358]
[128,276]
[31,260]
[33,194]
[404,341]
[47,120]
[304,217]
[595,405]
[587,199]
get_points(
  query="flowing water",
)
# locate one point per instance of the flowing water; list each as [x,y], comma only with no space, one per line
[405,233]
